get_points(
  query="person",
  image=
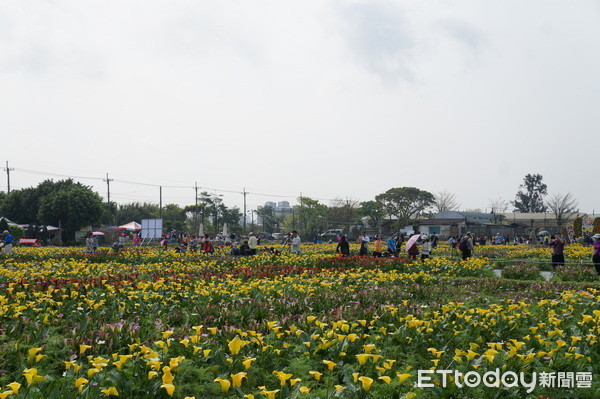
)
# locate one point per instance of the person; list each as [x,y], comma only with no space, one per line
[363,240]
[164,243]
[95,243]
[207,245]
[466,246]
[391,246]
[252,243]
[425,247]
[412,251]
[558,252]
[295,242]
[377,247]
[8,242]
[137,240]
[89,244]
[343,247]
[434,240]
[121,241]
[596,255]
[244,248]
[234,251]
[452,242]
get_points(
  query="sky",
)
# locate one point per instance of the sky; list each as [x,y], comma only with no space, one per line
[331,99]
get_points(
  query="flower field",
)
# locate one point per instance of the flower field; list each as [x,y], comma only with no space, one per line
[156,324]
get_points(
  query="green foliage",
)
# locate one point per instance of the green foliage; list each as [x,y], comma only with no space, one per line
[405,203]
[311,216]
[532,200]
[374,210]
[136,211]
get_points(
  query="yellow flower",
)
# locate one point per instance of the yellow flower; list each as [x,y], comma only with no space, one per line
[15,386]
[152,374]
[32,377]
[80,382]
[31,354]
[386,379]
[112,391]
[5,394]
[238,378]
[167,377]
[403,377]
[249,396]
[362,358]
[236,344]
[283,377]
[225,384]
[330,364]
[339,388]
[83,348]
[170,388]
[304,389]
[269,394]
[316,374]
[366,382]
[248,362]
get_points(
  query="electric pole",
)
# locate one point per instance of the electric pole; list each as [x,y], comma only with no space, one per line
[244,209]
[160,202]
[7,169]
[107,180]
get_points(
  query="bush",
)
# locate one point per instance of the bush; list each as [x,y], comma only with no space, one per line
[576,273]
[522,272]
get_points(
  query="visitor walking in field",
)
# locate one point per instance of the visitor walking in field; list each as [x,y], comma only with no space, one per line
[596,255]
[295,242]
[252,243]
[343,247]
[8,242]
[89,244]
[425,247]
[466,246]
[363,240]
[377,247]
[558,252]
[391,246]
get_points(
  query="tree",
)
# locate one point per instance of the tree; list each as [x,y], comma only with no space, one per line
[374,210]
[445,201]
[267,216]
[342,212]
[564,208]
[311,216]
[498,206]
[71,207]
[136,211]
[405,203]
[532,200]
[174,218]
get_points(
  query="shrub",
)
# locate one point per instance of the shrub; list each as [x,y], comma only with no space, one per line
[522,272]
[576,273]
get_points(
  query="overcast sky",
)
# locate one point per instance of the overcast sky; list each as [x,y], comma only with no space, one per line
[328,98]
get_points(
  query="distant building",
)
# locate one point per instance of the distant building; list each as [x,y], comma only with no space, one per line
[455,223]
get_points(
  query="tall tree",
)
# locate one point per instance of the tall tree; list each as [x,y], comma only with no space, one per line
[136,211]
[564,208]
[405,203]
[311,216]
[374,210]
[532,198]
[445,201]
[267,217]
[73,208]
[342,212]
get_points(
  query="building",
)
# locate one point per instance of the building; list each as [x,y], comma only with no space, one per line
[455,223]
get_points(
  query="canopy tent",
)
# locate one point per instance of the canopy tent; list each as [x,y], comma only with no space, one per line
[131,226]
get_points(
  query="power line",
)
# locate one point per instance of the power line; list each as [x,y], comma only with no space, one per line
[195,187]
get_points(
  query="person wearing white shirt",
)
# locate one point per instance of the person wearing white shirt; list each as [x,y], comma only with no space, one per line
[252,243]
[295,242]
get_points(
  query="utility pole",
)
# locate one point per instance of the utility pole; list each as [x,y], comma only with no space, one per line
[7,169]
[245,193]
[107,180]
[300,219]
[160,203]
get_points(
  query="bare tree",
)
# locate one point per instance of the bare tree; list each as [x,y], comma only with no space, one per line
[498,206]
[564,208]
[445,201]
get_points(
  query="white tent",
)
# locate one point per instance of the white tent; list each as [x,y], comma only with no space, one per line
[131,226]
